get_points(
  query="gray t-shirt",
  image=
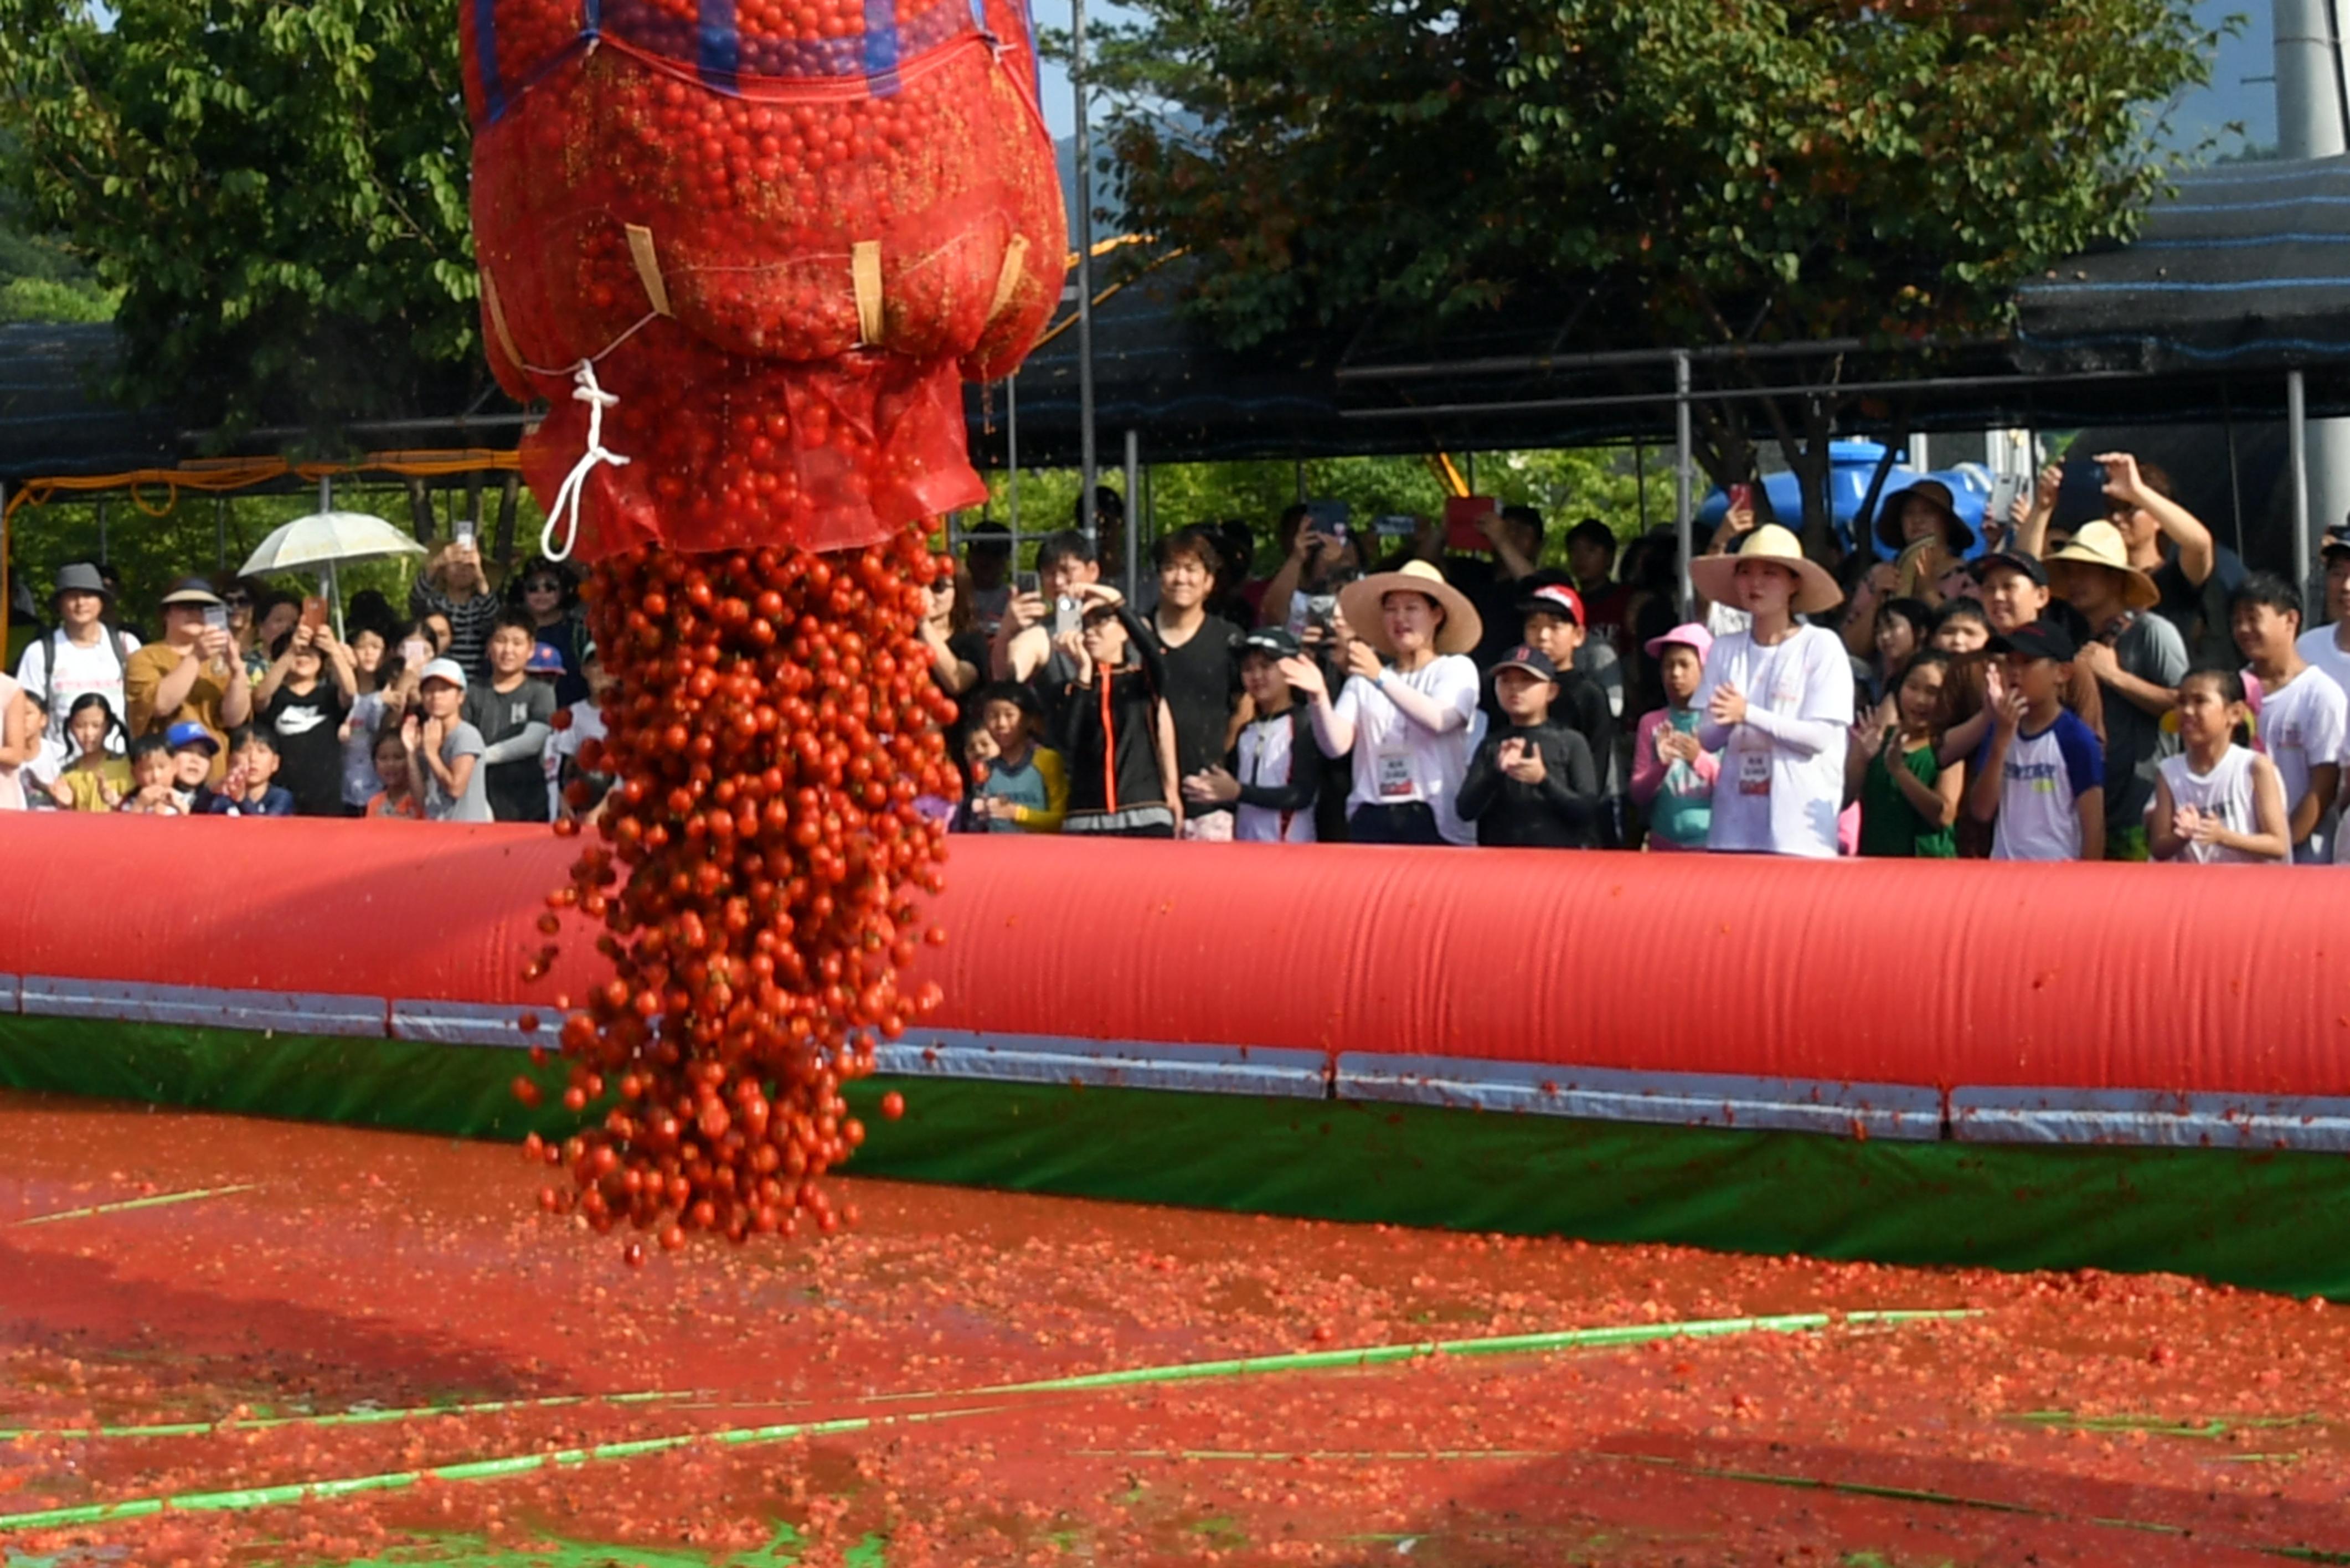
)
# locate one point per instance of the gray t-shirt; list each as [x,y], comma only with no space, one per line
[2150,648]
[461,741]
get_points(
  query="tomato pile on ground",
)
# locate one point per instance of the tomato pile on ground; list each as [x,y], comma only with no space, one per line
[844,1399]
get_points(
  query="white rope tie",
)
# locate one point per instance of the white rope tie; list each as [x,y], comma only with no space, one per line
[566,510]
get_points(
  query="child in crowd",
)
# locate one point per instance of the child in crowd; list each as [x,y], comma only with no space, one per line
[1777,700]
[301,702]
[1672,773]
[379,697]
[2218,802]
[1903,625]
[394,798]
[19,742]
[1531,784]
[1117,738]
[1277,770]
[249,790]
[563,748]
[444,753]
[513,712]
[2304,716]
[1961,628]
[193,747]
[1026,789]
[1908,799]
[53,752]
[2041,773]
[1551,619]
[97,780]
[154,779]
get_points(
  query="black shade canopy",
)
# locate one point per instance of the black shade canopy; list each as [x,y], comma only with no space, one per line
[2245,268]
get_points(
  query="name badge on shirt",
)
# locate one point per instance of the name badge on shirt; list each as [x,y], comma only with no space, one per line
[1754,773]
[1394,776]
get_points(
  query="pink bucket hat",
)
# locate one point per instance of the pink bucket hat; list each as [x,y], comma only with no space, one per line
[1691,635]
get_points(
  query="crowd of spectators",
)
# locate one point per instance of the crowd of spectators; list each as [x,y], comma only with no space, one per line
[2108,693]
[246,703]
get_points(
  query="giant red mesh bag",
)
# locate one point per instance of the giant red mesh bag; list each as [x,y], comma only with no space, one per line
[784,232]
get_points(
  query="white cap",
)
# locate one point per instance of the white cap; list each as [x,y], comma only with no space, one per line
[447,670]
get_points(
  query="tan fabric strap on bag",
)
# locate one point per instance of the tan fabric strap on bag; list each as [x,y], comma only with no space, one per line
[648,272]
[1007,280]
[498,320]
[865,276]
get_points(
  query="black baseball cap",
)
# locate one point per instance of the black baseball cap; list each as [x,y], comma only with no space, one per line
[2014,560]
[1272,641]
[2038,640]
[2336,542]
[1532,661]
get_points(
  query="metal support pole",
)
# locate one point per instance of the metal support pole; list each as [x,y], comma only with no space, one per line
[102,530]
[1301,478]
[1133,511]
[4,588]
[326,495]
[1641,480]
[1469,462]
[1012,461]
[2297,428]
[219,533]
[1086,464]
[1684,514]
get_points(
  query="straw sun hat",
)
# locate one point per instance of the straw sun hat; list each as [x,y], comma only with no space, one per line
[1814,590]
[2099,543]
[1360,601]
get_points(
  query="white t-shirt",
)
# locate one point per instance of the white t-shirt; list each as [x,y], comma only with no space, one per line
[2316,645]
[1264,754]
[2226,792]
[1395,761]
[2041,785]
[366,717]
[1782,781]
[2304,724]
[78,670]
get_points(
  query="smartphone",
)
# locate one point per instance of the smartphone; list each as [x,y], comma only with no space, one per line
[1328,517]
[1461,515]
[2004,489]
[464,535]
[1068,614]
[1742,496]
[314,613]
[1395,526]
[415,653]
[1024,582]
[216,617]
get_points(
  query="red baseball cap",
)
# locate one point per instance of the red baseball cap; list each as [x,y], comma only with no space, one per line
[1555,598]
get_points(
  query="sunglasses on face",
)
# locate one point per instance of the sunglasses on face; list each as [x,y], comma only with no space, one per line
[542,585]
[236,599]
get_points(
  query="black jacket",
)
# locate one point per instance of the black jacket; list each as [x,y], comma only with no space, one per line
[1562,811]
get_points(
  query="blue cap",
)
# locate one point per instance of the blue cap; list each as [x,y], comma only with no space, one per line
[188,733]
[546,659]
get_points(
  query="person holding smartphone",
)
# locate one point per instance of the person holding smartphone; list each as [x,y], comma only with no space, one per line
[303,699]
[193,674]
[456,588]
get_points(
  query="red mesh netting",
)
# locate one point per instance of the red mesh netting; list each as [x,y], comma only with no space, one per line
[833,211]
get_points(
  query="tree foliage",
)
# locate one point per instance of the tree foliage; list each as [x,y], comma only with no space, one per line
[1707,171]
[274,188]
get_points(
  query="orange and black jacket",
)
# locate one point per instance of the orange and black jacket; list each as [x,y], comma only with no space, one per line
[1108,735]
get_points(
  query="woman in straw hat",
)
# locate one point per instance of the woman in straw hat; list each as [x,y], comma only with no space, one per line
[1410,718]
[1776,700]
